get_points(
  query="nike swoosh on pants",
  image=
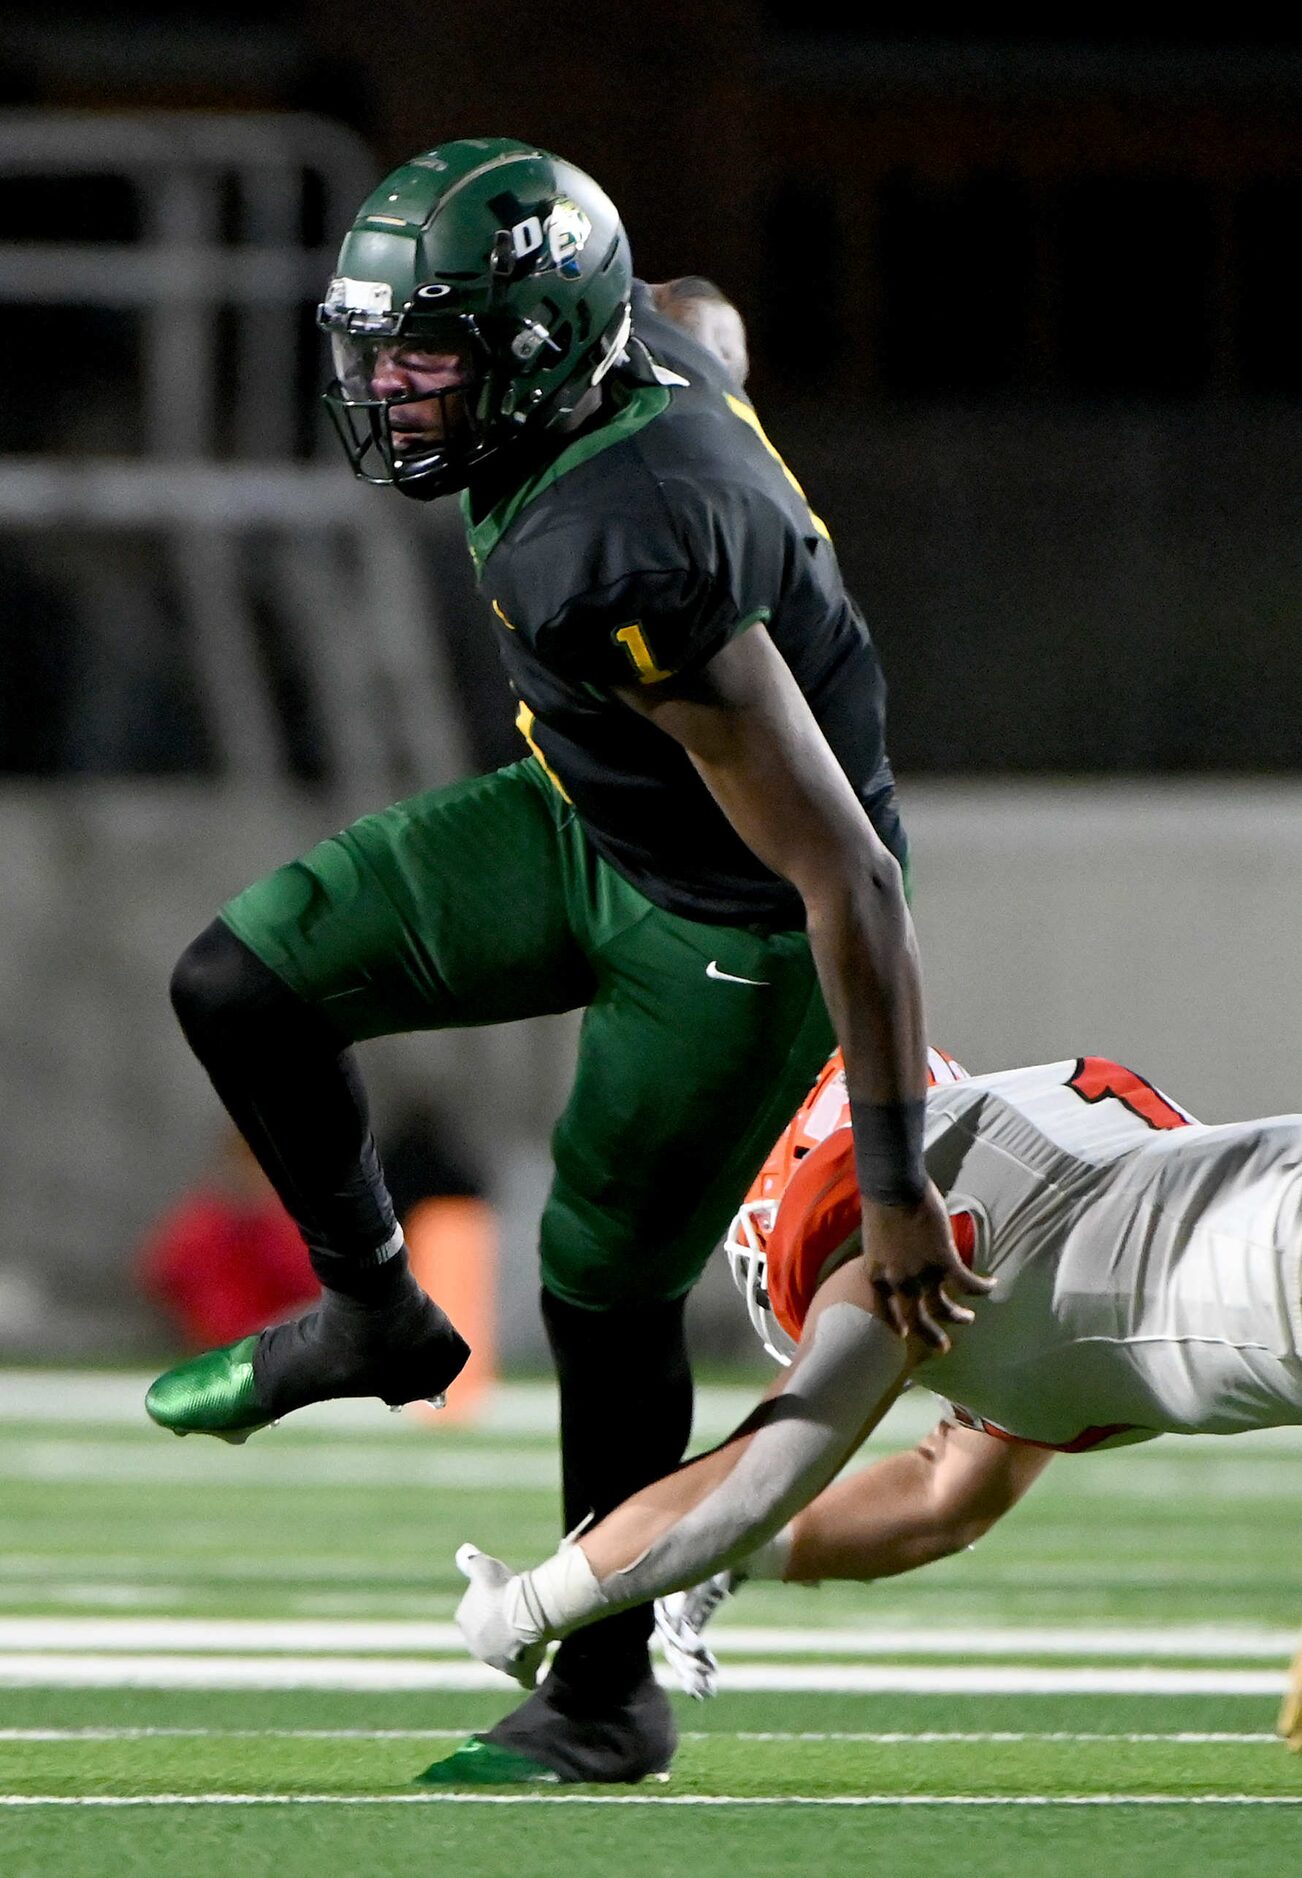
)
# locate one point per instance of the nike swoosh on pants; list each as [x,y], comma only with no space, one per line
[712,971]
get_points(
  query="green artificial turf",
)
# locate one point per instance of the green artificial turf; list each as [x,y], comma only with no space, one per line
[101,1518]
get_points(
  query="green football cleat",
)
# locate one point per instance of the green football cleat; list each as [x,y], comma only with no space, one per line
[480,1763]
[562,1735]
[402,1348]
[212,1394]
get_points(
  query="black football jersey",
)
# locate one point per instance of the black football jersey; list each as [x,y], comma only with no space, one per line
[653,539]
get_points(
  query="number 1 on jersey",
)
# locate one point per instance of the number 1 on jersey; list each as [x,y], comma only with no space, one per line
[633,640]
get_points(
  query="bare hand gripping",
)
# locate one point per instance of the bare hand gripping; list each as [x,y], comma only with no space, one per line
[711,1513]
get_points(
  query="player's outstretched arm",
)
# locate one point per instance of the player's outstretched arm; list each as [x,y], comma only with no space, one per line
[751,735]
[911,1509]
[717,1509]
[905,1511]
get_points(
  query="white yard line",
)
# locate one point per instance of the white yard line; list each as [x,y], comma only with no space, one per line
[351,1636]
[267,1734]
[476,1466]
[221,1634]
[512,1408]
[894,1738]
[68,1671]
[1236,1642]
[961,1679]
[118,1400]
[930,1737]
[650,1799]
[340,1569]
[367,1465]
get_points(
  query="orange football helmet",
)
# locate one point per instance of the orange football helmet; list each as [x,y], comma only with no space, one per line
[825,1109]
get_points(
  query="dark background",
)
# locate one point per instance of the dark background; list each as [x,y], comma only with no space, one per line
[1025,318]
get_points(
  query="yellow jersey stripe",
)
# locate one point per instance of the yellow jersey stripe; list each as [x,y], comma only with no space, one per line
[750,416]
[524,722]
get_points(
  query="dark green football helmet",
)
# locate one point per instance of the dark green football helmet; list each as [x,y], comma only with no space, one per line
[481,292]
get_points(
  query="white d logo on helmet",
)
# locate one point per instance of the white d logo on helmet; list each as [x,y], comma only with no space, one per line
[567,229]
[564,235]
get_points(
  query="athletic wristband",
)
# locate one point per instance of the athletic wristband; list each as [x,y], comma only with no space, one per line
[888,1150]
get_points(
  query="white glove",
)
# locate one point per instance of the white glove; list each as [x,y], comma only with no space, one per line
[493,1619]
[694,1664]
[680,1619]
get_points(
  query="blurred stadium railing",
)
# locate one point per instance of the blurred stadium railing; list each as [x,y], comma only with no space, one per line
[296,604]
[244,620]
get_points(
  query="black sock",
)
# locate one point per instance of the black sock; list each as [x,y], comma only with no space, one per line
[377,1281]
[626,1417]
[386,1338]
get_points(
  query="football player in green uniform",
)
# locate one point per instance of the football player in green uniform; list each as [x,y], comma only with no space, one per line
[701,849]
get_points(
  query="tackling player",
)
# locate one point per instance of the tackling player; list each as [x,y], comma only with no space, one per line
[1148,1280]
[702,849]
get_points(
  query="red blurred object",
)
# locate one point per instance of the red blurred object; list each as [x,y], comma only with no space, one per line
[227,1258]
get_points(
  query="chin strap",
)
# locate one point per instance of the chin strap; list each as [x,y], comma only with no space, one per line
[615,346]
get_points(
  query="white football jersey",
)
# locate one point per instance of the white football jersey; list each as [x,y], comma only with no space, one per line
[1148,1269]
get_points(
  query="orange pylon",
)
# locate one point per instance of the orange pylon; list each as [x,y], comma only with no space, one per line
[452,1246]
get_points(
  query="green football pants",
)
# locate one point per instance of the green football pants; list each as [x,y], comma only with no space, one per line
[483,903]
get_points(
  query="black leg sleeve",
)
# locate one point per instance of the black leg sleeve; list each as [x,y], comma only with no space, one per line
[626,1417]
[292,1088]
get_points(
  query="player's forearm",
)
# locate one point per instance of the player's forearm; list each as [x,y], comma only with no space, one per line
[883,1521]
[865,952]
[913,1508]
[715,1511]
[864,947]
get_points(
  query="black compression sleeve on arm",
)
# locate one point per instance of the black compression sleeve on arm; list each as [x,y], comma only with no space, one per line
[290,1084]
